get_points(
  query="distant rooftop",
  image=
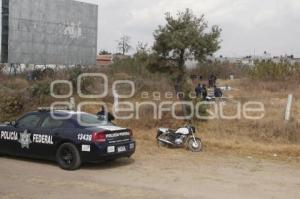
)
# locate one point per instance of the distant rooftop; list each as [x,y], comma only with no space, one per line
[89,1]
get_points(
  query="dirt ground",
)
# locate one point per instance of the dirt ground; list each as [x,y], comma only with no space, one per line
[157,173]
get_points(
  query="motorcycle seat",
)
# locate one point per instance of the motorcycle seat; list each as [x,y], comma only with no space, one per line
[171,131]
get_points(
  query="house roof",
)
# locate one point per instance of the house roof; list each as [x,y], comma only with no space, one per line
[108,57]
[104,60]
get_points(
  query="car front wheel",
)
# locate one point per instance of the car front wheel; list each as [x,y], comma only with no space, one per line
[68,157]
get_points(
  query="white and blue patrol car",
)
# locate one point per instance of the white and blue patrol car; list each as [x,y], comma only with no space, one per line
[67,137]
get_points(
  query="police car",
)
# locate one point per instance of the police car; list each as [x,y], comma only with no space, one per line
[67,137]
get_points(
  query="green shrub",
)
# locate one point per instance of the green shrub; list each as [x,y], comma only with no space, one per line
[133,66]
[40,89]
[40,74]
[221,70]
[74,73]
[270,71]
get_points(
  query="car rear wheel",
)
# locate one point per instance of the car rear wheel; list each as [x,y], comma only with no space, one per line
[68,157]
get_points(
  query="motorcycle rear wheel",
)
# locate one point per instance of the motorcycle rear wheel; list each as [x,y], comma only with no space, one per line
[195,146]
[161,144]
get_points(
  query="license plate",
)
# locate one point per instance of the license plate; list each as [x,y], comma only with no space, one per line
[131,146]
[86,148]
[111,149]
[121,148]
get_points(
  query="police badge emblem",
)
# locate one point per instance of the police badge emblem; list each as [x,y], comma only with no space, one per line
[25,139]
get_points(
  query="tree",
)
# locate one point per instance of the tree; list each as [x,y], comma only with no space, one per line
[2,68]
[123,44]
[142,48]
[185,37]
[104,52]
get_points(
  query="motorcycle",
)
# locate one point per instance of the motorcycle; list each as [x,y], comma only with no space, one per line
[181,137]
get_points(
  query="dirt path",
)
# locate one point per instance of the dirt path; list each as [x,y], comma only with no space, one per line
[159,173]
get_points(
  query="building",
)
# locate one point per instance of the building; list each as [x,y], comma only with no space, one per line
[104,60]
[44,32]
[296,60]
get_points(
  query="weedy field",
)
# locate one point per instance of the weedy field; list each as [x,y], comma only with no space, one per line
[239,155]
[269,136]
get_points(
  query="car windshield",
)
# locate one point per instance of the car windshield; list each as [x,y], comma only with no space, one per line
[86,119]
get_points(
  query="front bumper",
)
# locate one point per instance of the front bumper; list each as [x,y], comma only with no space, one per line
[99,152]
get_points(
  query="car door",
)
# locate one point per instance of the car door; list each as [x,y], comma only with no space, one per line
[44,138]
[8,135]
[25,127]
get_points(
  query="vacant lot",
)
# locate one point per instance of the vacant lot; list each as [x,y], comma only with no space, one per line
[159,173]
[242,158]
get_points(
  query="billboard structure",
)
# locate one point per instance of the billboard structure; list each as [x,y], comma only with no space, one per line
[49,32]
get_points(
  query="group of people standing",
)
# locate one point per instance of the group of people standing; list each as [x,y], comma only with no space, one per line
[202,92]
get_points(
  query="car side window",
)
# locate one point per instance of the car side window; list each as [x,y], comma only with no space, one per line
[28,121]
[68,125]
[49,123]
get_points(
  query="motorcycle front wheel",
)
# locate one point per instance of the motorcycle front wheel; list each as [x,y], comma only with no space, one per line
[195,146]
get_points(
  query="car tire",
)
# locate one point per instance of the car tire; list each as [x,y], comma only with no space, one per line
[68,157]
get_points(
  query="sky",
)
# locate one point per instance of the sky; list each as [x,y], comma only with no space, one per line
[249,26]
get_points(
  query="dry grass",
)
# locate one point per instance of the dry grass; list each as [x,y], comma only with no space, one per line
[268,136]
[271,135]
[230,145]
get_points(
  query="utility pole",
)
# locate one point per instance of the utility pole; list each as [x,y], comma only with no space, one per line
[288,108]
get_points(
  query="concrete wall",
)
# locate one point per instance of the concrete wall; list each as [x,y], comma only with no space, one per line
[52,32]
